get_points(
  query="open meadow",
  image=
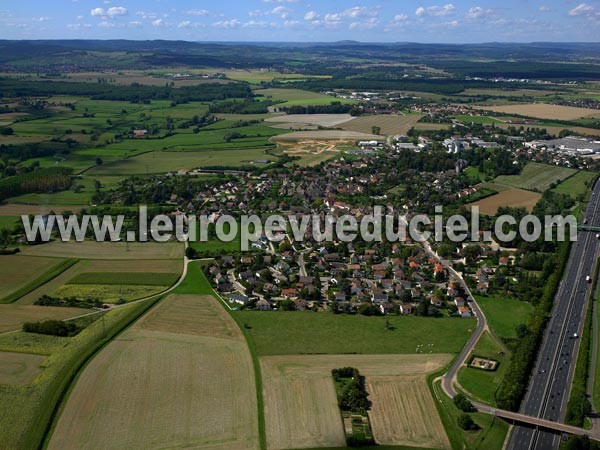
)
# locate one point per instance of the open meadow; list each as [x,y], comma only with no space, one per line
[301,409]
[292,333]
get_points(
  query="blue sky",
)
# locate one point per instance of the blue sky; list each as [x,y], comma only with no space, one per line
[454,21]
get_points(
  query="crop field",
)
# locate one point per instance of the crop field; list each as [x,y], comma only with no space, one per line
[19,368]
[18,270]
[291,97]
[107,250]
[107,293]
[131,278]
[536,177]
[545,111]
[292,333]
[301,408]
[480,383]
[301,120]
[170,268]
[388,123]
[517,198]
[432,126]
[12,317]
[325,135]
[401,413]
[194,385]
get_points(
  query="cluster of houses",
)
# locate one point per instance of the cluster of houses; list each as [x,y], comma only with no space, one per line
[342,279]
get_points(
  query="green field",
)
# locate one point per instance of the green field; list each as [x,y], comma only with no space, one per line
[291,97]
[289,333]
[504,314]
[536,177]
[480,383]
[484,120]
[577,185]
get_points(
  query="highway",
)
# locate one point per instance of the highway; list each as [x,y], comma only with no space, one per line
[550,382]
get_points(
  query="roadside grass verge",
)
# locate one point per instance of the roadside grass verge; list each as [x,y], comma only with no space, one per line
[39,281]
[490,435]
[481,383]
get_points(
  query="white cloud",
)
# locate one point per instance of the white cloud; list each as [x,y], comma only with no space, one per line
[158,23]
[233,23]
[360,11]
[368,24]
[106,24]
[281,11]
[146,15]
[400,18]
[184,24]
[197,12]
[545,8]
[134,24]
[477,12]
[582,9]
[291,23]
[311,15]
[436,10]
[79,26]
[111,12]
[280,1]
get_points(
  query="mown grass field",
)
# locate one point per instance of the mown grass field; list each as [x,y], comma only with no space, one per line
[295,333]
[536,177]
[301,408]
[291,97]
[388,123]
[107,293]
[577,185]
[480,383]
[187,351]
[326,135]
[505,314]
